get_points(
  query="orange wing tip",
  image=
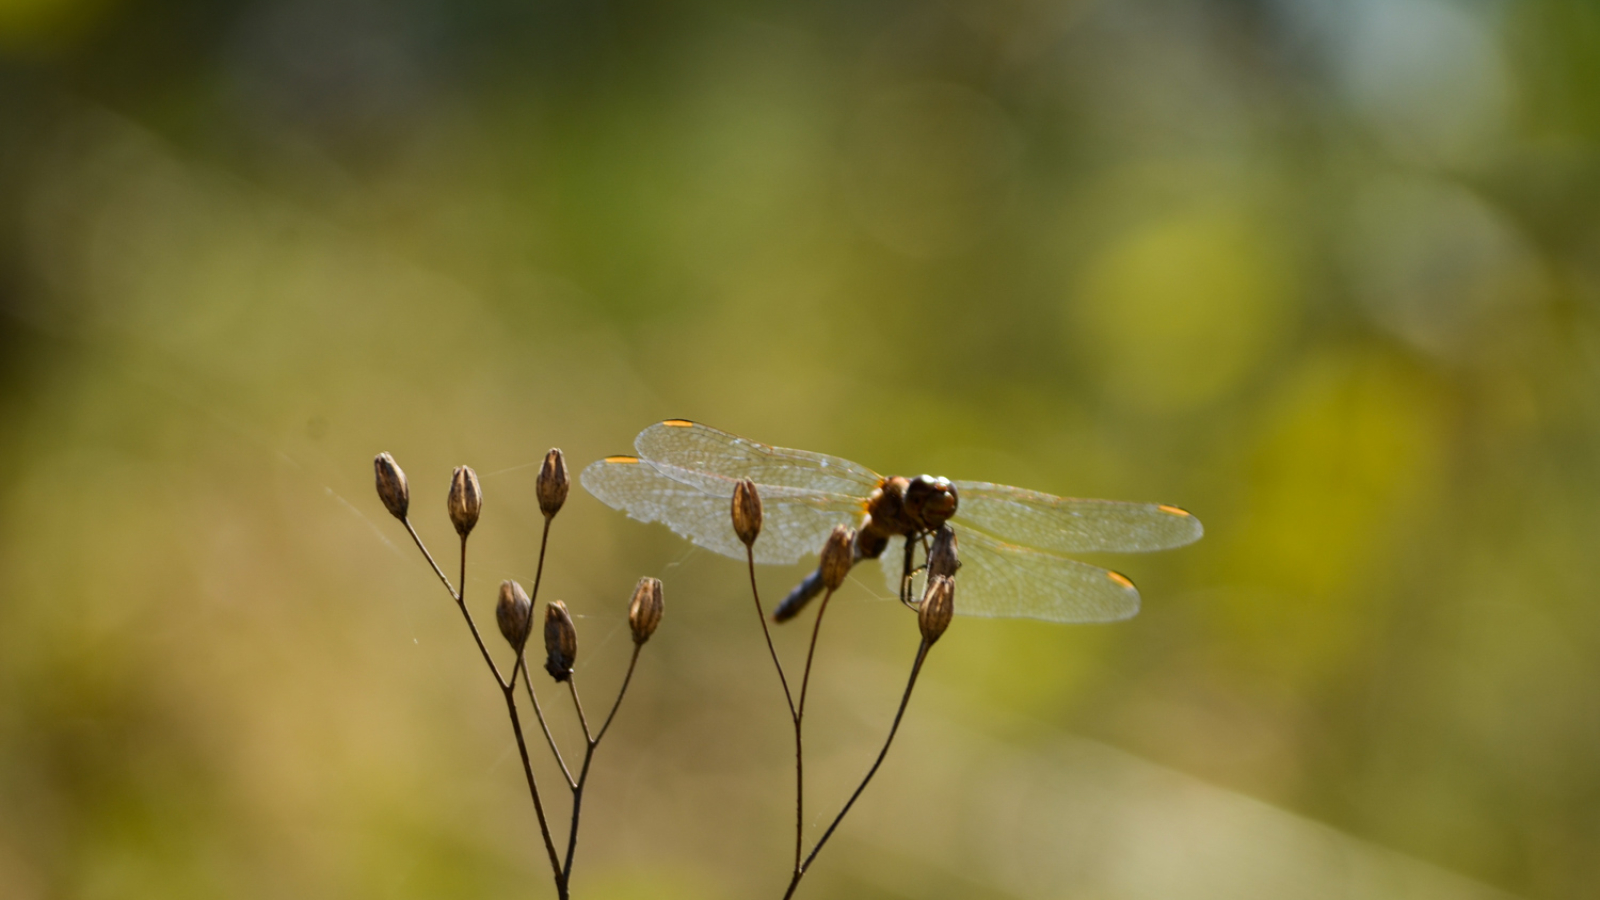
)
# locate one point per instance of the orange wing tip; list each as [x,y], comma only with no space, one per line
[624,460]
[1173,510]
[1122,580]
[677,423]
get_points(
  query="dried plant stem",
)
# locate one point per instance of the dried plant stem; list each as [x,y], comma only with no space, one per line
[591,742]
[572,687]
[549,738]
[461,601]
[429,557]
[750,557]
[513,615]
[456,594]
[538,573]
[510,690]
[507,688]
[626,678]
[799,740]
[916,669]
[538,711]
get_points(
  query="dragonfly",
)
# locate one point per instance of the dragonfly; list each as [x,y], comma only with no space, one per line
[1012,541]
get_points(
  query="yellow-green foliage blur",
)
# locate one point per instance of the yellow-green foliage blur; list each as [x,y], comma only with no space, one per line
[1326,273]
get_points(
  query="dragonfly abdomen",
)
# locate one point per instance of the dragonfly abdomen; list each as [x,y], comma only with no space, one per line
[803,593]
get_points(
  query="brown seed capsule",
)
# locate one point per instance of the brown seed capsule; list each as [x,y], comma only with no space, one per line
[514,613]
[644,612]
[942,558]
[560,641]
[392,487]
[553,483]
[466,499]
[938,604]
[838,555]
[746,511]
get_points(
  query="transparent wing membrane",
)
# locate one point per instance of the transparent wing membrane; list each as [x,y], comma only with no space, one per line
[696,506]
[1067,525]
[701,448]
[1000,580]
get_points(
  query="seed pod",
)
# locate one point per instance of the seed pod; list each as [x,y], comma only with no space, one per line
[514,613]
[560,641]
[746,511]
[392,487]
[838,555]
[938,604]
[644,612]
[553,483]
[942,558]
[466,499]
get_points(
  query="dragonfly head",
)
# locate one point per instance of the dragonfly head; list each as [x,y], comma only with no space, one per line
[930,501]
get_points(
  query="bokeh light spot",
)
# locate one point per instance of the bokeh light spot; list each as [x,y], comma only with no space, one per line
[1437,266]
[1177,312]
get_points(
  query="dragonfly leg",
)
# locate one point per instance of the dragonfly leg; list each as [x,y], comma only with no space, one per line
[908,572]
[908,593]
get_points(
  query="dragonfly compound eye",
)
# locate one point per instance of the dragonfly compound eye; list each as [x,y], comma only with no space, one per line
[931,500]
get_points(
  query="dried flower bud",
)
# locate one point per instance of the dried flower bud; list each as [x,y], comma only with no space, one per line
[466,499]
[746,511]
[553,483]
[514,613]
[938,604]
[560,641]
[942,558]
[644,612]
[838,555]
[392,487]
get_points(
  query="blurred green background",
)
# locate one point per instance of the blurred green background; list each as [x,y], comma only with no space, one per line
[1326,273]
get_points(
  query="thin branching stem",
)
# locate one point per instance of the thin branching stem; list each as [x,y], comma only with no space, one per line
[510,691]
[461,601]
[508,688]
[799,740]
[577,810]
[538,573]
[916,669]
[628,677]
[805,681]
[572,688]
[538,713]
[458,594]
[592,742]
[750,556]
[429,557]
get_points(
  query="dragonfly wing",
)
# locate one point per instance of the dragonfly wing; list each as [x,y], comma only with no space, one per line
[1067,525]
[697,506]
[1000,580]
[700,448]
